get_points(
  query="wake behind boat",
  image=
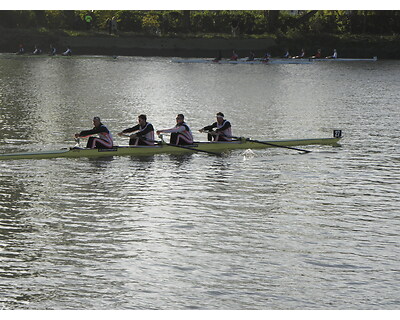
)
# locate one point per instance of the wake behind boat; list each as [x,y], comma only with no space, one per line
[162,147]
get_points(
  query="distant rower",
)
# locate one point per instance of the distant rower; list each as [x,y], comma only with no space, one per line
[37,50]
[223,131]
[181,133]
[317,55]
[333,56]
[218,57]
[301,55]
[286,54]
[144,133]
[105,140]
[251,56]
[267,56]
[234,56]
[68,52]
[53,51]
[21,49]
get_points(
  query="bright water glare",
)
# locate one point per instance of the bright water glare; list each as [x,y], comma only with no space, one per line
[260,229]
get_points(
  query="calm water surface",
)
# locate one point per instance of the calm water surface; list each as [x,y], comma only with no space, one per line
[261,229]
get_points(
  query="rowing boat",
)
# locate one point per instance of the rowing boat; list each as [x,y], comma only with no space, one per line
[57,56]
[344,59]
[271,61]
[210,147]
[244,61]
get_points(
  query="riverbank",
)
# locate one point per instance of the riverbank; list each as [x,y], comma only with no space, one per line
[131,44]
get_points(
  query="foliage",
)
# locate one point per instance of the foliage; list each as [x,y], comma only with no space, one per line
[128,20]
[230,22]
[151,22]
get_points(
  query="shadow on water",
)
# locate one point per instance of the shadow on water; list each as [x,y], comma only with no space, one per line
[180,160]
[100,163]
[142,159]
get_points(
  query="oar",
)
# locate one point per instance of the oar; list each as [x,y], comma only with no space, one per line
[262,142]
[77,143]
[273,144]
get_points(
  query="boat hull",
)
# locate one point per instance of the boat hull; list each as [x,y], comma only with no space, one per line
[214,147]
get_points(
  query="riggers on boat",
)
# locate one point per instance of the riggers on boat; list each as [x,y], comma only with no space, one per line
[207,147]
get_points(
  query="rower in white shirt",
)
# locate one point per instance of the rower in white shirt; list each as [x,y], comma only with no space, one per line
[181,133]
[333,56]
[68,52]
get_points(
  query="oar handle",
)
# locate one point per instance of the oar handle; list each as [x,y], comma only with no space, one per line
[77,142]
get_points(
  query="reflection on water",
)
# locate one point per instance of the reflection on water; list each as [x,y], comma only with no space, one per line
[253,229]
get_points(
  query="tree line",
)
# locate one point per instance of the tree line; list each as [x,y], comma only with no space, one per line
[231,22]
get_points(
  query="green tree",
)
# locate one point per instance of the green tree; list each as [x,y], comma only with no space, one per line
[151,23]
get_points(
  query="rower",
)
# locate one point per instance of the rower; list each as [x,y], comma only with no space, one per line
[181,133]
[21,49]
[219,56]
[68,52]
[144,133]
[36,51]
[251,56]
[267,56]
[301,55]
[105,139]
[317,55]
[333,56]
[223,131]
[52,51]
[286,54]
[235,56]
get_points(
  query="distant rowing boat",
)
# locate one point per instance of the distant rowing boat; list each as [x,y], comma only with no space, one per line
[344,59]
[207,147]
[43,55]
[243,61]
[270,61]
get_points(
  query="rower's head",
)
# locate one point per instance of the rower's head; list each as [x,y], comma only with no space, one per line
[142,119]
[180,118]
[220,117]
[96,121]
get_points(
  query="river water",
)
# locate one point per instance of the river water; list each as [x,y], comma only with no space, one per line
[261,229]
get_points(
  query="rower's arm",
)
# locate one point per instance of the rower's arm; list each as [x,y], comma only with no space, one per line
[129,130]
[145,131]
[175,129]
[210,127]
[95,130]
